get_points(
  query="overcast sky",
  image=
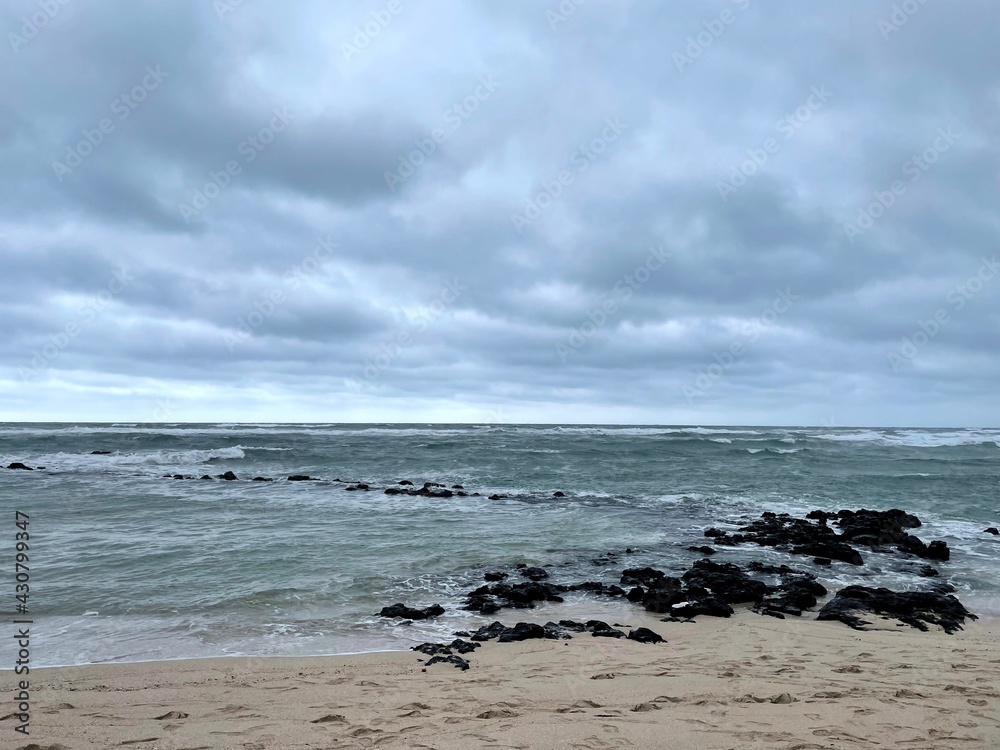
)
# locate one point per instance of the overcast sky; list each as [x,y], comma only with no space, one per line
[707,212]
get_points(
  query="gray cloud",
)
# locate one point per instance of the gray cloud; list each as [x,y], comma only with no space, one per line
[285,291]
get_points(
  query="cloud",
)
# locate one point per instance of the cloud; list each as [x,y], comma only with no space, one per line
[268,131]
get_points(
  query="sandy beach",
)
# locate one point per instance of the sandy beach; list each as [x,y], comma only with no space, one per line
[744,682]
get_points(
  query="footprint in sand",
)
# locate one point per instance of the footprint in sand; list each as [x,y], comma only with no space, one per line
[329,718]
[578,707]
[497,713]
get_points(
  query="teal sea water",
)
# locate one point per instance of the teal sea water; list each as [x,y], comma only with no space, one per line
[127,565]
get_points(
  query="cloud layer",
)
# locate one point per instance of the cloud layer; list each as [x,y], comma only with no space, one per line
[719,212]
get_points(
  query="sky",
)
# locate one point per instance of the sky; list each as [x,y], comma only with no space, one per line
[708,212]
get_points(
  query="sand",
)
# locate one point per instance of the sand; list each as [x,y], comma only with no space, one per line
[746,682]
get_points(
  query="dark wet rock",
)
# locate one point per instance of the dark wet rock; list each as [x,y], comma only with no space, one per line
[457,487]
[713,532]
[822,561]
[712,606]
[927,571]
[262,479]
[497,576]
[19,465]
[636,594]
[628,550]
[446,649]
[875,528]
[428,485]
[597,587]
[535,574]
[576,627]
[100,453]
[406,482]
[726,581]
[490,599]
[363,486]
[992,530]
[703,549]
[411,613]
[350,488]
[458,661]
[914,608]
[661,597]
[758,567]
[647,577]
[489,632]
[205,476]
[600,629]
[183,476]
[558,493]
[791,598]
[645,635]
[497,497]
[936,550]
[394,491]
[802,536]
[522,631]
[302,478]
[228,476]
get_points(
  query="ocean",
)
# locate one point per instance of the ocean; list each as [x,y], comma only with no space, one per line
[127,565]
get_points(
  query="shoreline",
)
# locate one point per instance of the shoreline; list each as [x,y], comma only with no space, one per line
[746,681]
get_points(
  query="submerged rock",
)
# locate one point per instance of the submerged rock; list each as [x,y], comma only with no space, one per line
[228,476]
[19,465]
[302,478]
[992,530]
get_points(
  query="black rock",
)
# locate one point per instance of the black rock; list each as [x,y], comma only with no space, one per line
[645,635]
[19,465]
[706,605]
[577,627]
[703,549]
[642,577]
[410,613]
[915,608]
[205,476]
[823,561]
[228,476]
[446,649]
[600,629]
[457,487]
[927,571]
[100,453]
[535,574]
[596,587]
[557,493]
[394,491]
[490,599]
[936,550]
[262,479]
[875,528]
[661,597]
[636,595]
[522,631]
[992,530]
[726,581]
[301,478]
[803,536]
[494,576]
[713,532]
[405,482]
[458,661]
